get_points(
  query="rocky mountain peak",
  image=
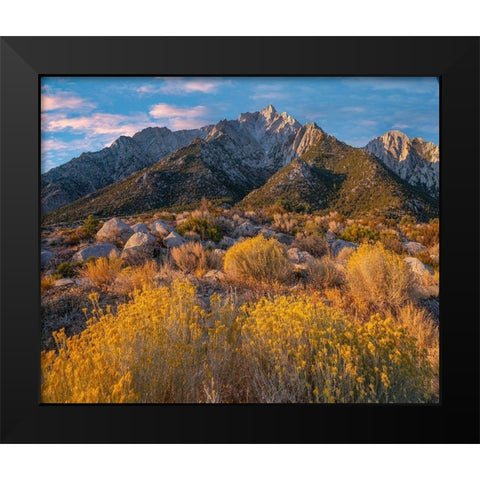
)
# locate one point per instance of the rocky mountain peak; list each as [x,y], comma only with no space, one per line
[414,160]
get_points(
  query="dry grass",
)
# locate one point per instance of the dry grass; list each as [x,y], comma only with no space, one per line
[136,278]
[102,272]
[46,283]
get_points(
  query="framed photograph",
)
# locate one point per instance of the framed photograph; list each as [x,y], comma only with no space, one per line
[262,240]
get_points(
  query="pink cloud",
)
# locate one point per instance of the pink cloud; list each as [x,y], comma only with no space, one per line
[62,101]
[96,124]
[163,110]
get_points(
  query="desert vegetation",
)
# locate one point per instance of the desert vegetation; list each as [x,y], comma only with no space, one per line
[237,305]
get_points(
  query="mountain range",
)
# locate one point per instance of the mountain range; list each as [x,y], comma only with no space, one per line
[257,160]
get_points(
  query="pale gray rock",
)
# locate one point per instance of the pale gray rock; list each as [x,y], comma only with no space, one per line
[140,246]
[96,251]
[140,228]
[418,267]
[161,228]
[247,229]
[413,248]
[338,245]
[173,239]
[215,275]
[114,231]
[284,238]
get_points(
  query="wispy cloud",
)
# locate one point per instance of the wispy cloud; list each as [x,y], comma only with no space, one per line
[179,118]
[62,101]
[181,86]
[352,109]
[96,124]
[164,110]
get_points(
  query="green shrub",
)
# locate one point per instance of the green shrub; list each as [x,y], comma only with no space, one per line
[67,270]
[207,229]
[90,226]
[357,233]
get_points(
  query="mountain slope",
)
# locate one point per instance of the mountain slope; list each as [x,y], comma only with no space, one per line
[413,160]
[334,176]
[94,170]
[236,157]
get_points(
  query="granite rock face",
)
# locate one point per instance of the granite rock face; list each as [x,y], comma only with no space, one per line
[413,160]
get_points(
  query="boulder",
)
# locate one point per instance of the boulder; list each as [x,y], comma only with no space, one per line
[413,248]
[114,231]
[338,245]
[226,242]
[140,228]
[161,228]
[247,229]
[215,275]
[284,238]
[267,232]
[418,267]
[139,247]
[298,256]
[45,258]
[173,239]
[96,251]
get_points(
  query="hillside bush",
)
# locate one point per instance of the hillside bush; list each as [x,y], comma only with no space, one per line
[207,229]
[315,243]
[258,259]
[357,233]
[102,272]
[378,279]
[90,226]
[192,257]
[298,351]
[323,273]
[163,347]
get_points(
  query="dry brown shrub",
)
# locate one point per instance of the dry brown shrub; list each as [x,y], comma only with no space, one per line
[192,257]
[378,279]
[102,272]
[136,278]
[323,273]
[46,283]
[314,244]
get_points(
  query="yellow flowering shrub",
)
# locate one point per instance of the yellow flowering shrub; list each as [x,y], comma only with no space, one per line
[378,279]
[299,351]
[258,259]
[163,347]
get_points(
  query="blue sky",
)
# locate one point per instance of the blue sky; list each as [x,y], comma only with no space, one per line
[81,114]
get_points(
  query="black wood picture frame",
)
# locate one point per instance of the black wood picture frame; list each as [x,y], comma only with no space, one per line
[24,59]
